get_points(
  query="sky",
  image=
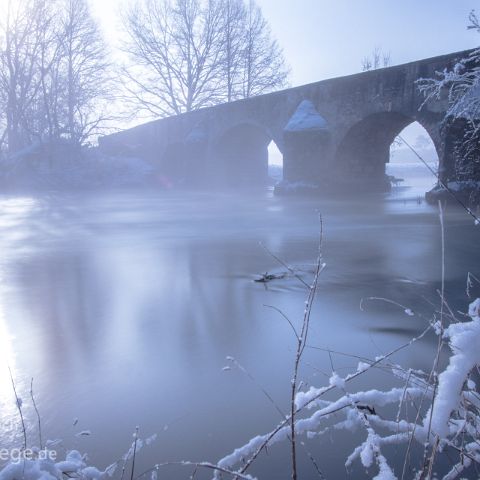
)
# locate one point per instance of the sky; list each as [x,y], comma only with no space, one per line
[328,38]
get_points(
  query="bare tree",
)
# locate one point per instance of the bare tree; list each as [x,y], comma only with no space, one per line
[46,118]
[54,76]
[264,67]
[188,54]
[84,72]
[234,27]
[175,52]
[22,32]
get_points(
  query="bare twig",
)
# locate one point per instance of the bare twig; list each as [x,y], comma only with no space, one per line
[207,465]
[286,318]
[433,374]
[38,414]
[288,267]
[257,384]
[313,461]
[134,452]
[324,391]
[301,342]
[18,402]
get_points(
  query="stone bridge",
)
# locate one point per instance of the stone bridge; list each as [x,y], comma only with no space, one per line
[335,133]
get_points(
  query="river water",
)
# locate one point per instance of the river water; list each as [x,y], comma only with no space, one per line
[123,307]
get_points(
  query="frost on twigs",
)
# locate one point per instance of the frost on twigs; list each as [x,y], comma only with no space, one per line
[445,406]
[474,309]
[459,85]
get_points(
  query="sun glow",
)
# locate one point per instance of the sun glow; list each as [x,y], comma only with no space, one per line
[7,361]
[13,5]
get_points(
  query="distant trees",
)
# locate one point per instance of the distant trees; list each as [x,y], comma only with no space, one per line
[53,72]
[57,80]
[377,59]
[85,67]
[188,54]
[21,31]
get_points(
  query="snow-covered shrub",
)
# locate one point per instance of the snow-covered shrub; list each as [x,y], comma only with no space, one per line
[447,419]
[461,87]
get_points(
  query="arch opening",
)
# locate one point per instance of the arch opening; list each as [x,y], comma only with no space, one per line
[405,170]
[275,163]
[365,150]
[243,155]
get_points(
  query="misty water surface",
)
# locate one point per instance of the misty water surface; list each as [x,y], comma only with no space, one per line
[123,307]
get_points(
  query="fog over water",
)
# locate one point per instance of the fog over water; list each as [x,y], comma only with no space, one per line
[124,305]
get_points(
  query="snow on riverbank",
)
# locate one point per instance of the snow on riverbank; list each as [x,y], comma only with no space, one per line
[46,469]
[88,169]
[36,464]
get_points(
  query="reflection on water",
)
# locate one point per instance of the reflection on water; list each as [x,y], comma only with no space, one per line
[123,307]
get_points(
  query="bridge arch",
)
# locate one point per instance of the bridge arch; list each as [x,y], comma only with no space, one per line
[240,154]
[171,165]
[364,149]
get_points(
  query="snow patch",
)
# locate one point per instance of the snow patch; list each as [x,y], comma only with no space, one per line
[464,339]
[337,381]
[306,118]
[46,469]
[468,105]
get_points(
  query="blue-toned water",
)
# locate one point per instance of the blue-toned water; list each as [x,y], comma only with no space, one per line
[123,307]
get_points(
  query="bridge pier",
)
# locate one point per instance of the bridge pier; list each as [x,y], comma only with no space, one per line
[307,146]
[306,157]
[363,169]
